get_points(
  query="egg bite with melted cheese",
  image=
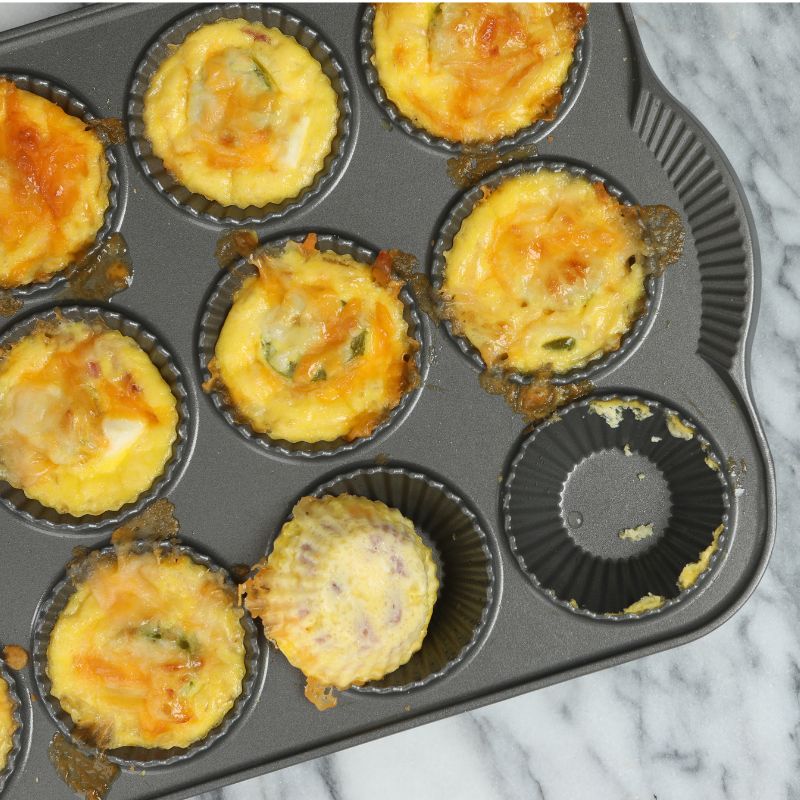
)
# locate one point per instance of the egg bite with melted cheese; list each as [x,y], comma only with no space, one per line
[475,72]
[149,651]
[53,187]
[546,273]
[241,114]
[87,421]
[8,725]
[315,346]
[347,592]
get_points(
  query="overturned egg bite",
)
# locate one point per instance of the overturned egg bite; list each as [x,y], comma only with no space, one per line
[87,421]
[315,347]
[347,592]
[53,187]
[547,273]
[475,72]
[241,114]
[148,652]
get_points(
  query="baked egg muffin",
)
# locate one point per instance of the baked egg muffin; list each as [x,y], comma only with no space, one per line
[53,187]
[315,346]
[87,421]
[347,592]
[475,72]
[241,114]
[149,651]
[8,725]
[546,273]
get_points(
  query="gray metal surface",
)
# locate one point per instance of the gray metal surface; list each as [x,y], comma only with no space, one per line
[393,191]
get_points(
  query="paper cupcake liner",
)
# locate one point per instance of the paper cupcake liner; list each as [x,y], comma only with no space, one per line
[140,757]
[195,204]
[465,205]
[215,311]
[112,220]
[33,511]
[576,484]
[465,561]
[16,739]
[534,132]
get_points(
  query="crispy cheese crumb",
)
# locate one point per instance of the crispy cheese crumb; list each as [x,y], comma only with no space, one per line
[636,534]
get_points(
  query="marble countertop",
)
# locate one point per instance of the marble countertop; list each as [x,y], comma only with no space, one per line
[717,718]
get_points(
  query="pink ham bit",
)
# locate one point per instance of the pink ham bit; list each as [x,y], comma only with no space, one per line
[257,35]
[93,368]
[398,565]
[396,615]
[336,588]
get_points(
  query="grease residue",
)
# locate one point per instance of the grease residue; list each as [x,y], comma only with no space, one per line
[109,130]
[235,244]
[9,305]
[473,163]
[663,236]
[155,524]
[89,776]
[102,273]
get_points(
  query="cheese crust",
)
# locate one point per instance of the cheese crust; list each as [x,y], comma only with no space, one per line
[53,187]
[348,590]
[241,114]
[8,725]
[473,72]
[547,273]
[315,347]
[86,420]
[148,652]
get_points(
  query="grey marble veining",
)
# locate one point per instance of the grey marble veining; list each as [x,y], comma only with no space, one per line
[719,718]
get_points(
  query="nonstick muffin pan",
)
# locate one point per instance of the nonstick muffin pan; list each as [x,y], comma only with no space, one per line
[454,455]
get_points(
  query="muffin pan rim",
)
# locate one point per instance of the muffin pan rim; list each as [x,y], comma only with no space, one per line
[114,319]
[116,172]
[716,562]
[533,132]
[236,273]
[324,181]
[256,659]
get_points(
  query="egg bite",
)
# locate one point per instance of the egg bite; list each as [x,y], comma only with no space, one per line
[315,346]
[475,72]
[8,725]
[241,114]
[347,592]
[87,421]
[149,650]
[546,274]
[53,187]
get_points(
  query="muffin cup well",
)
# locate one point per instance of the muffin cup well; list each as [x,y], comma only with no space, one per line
[534,132]
[576,484]
[196,204]
[16,713]
[465,566]
[46,618]
[112,220]
[466,204]
[217,306]
[33,511]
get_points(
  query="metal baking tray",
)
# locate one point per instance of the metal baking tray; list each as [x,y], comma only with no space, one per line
[391,189]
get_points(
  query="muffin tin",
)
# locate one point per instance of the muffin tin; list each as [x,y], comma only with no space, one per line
[390,189]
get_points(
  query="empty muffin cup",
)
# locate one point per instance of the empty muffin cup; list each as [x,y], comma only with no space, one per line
[112,219]
[534,132]
[140,757]
[217,306]
[467,203]
[465,566]
[33,511]
[166,42]
[617,507]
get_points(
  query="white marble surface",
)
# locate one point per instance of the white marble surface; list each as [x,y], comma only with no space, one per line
[719,718]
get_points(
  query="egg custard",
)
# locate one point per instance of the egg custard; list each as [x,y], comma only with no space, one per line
[315,347]
[241,114]
[547,273]
[148,652]
[347,592]
[53,187]
[8,725]
[475,72]
[86,420]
